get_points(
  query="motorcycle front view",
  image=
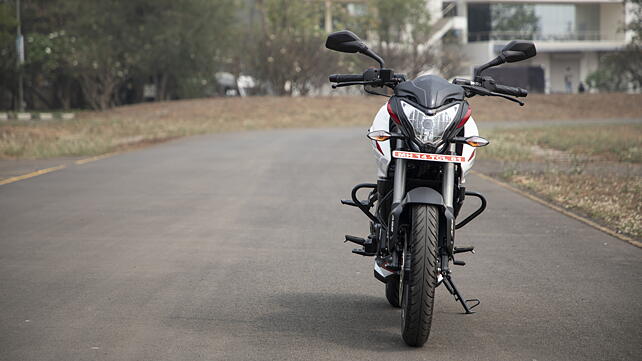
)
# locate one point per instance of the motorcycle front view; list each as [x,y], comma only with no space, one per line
[424,140]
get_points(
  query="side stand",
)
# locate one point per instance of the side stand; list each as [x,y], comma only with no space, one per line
[450,286]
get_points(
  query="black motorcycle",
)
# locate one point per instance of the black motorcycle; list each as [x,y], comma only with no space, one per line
[427,129]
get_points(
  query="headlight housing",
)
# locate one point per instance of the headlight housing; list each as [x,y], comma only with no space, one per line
[429,129]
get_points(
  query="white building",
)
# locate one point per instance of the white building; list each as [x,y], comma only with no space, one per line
[570,36]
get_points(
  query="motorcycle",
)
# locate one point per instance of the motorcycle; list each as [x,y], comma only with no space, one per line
[424,140]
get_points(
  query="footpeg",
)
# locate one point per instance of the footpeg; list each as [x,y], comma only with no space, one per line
[362,252]
[350,203]
[358,240]
[459,263]
[369,247]
[470,249]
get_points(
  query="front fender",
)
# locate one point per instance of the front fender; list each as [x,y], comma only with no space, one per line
[425,195]
[419,195]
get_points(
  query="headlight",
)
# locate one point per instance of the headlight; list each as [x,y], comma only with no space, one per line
[429,128]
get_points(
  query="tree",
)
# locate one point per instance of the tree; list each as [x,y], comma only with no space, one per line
[288,55]
[403,28]
[8,65]
[180,45]
[620,70]
[110,48]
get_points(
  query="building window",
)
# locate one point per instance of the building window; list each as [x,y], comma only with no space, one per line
[553,22]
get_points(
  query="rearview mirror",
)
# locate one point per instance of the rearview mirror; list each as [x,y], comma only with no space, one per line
[345,41]
[518,50]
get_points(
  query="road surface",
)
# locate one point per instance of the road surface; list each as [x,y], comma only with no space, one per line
[229,247]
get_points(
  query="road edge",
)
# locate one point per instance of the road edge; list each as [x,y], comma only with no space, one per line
[559,209]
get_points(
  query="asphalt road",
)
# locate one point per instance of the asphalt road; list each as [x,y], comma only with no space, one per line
[229,247]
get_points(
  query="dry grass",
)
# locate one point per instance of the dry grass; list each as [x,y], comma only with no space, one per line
[594,170]
[558,107]
[95,133]
[620,143]
[616,201]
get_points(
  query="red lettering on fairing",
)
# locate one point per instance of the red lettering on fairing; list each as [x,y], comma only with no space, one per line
[429,157]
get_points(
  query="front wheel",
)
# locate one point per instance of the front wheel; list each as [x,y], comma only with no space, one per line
[418,285]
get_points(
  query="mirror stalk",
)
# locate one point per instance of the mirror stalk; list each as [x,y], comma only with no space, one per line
[478,70]
[369,53]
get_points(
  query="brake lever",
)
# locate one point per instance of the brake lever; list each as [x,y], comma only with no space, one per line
[485,92]
[349,83]
[521,103]
[477,90]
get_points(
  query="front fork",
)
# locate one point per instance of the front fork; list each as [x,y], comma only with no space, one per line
[447,192]
[447,243]
[446,250]
[398,192]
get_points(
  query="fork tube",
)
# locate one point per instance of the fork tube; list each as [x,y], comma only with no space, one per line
[399,187]
[448,184]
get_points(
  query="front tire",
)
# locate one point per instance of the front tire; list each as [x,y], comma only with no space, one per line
[419,284]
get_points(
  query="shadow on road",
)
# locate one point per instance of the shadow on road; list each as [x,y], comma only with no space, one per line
[352,320]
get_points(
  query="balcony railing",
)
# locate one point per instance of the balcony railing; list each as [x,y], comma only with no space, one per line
[590,35]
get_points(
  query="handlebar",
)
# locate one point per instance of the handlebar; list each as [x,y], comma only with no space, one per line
[489,84]
[377,77]
[509,90]
[488,87]
[342,78]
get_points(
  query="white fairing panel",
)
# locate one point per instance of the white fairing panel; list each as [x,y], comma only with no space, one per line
[383,154]
[470,129]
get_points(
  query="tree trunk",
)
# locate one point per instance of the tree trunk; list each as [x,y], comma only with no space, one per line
[163,87]
[99,89]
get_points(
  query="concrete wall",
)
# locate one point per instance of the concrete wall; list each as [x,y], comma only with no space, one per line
[560,65]
[611,20]
[476,54]
[588,64]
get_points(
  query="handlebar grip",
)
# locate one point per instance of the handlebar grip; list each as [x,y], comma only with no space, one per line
[340,78]
[509,90]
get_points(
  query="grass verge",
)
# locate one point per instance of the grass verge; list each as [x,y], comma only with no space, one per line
[615,200]
[95,133]
[592,170]
[619,143]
